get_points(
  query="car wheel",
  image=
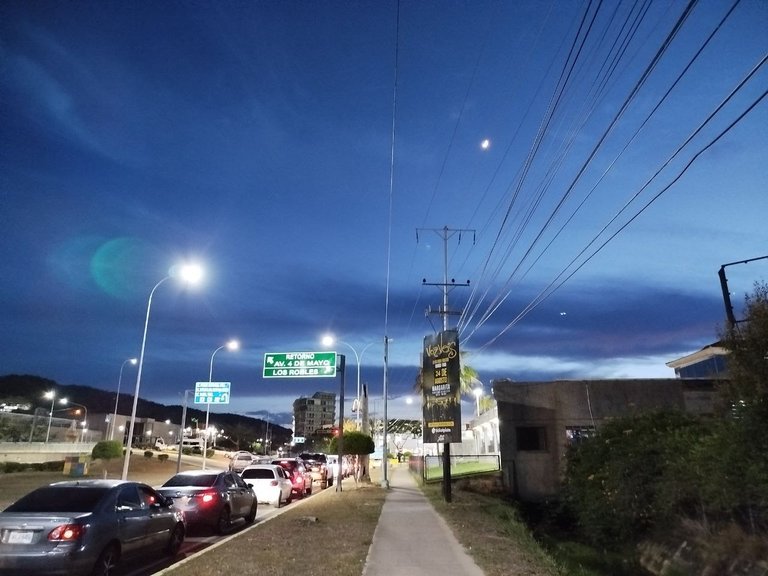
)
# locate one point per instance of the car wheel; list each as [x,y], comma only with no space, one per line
[105,565]
[279,502]
[309,492]
[224,522]
[177,539]
[289,499]
[251,518]
[330,481]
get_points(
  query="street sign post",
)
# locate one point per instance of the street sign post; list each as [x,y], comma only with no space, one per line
[300,364]
[212,392]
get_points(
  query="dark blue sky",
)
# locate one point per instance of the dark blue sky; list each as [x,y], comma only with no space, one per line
[309,154]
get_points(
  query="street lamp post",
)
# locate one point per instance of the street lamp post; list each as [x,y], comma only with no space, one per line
[478,392]
[84,423]
[52,395]
[117,397]
[181,430]
[328,341]
[231,345]
[190,274]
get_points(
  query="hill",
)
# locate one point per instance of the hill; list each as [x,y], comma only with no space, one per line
[28,391]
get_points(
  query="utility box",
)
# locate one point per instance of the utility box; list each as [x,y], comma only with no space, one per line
[76,466]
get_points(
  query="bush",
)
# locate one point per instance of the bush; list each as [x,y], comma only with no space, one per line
[107,449]
[148,453]
[613,480]
[162,457]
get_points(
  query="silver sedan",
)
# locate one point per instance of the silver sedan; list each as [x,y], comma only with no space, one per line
[81,527]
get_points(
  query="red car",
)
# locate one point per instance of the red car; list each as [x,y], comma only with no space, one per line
[301,478]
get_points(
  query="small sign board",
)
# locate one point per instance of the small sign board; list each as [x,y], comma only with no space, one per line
[299,364]
[212,392]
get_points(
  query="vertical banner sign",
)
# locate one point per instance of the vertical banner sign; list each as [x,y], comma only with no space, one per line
[441,387]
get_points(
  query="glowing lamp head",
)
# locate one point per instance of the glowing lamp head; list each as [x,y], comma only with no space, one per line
[189,273]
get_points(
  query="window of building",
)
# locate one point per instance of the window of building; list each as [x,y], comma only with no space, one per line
[577,434]
[531,438]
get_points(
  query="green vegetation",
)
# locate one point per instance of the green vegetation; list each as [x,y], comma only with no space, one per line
[107,449]
[354,443]
[672,476]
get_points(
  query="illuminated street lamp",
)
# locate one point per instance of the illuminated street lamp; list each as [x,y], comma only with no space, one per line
[52,395]
[84,422]
[232,345]
[191,274]
[117,397]
[329,340]
[478,392]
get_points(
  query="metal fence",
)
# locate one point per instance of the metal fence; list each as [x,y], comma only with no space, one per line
[430,468]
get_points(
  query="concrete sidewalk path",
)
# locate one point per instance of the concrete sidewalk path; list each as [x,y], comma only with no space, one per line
[412,539]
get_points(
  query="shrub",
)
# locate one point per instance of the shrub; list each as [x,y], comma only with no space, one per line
[148,453]
[162,457]
[613,480]
[107,449]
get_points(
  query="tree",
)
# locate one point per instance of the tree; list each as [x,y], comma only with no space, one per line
[107,449]
[747,344]
[468,378]
[356,444]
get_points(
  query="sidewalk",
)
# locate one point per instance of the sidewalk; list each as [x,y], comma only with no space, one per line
[411,539]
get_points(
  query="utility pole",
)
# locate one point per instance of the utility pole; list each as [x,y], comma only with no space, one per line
[726,293]
[446,234]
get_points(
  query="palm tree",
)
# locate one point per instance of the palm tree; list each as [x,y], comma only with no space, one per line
[468,379]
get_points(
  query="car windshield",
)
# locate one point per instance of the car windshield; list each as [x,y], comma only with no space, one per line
[258,473]
[60,499]
[200,480]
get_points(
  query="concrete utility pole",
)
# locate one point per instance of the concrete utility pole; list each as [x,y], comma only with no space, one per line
[446,234]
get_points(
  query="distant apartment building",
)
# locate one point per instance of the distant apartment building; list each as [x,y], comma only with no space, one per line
[311,415]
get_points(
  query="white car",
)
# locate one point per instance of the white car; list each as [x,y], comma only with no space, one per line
[270,483]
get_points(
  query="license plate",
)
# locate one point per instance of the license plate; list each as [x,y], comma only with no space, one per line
[20,537]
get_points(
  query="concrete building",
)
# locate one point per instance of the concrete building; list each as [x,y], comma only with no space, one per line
[538,420]
[313,414]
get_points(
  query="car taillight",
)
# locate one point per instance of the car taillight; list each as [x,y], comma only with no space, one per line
[66,533]
[273,483]
[208,497]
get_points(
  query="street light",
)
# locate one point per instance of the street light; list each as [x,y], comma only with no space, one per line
[52,395]
[117,397]
[191,274]
[84,423]
[478,392]
[328,341]
[232,345]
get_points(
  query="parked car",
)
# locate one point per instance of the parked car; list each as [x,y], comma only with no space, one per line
[240,460]
[83,527]
[301,479]
[270,482]
[211,498]
[318,468]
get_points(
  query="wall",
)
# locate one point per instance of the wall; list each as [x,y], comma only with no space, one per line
[546,411]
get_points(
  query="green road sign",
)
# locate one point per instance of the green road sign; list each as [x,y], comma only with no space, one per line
[299,364]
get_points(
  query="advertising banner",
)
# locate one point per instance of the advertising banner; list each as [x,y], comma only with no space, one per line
[441,387]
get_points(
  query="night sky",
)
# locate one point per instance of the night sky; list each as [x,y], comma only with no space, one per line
[587,170]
